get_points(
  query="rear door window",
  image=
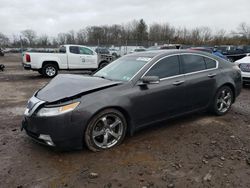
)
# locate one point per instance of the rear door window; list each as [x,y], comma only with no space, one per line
[166,67]
[193,63]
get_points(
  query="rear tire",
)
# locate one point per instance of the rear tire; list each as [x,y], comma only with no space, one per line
[105,130]
[49,70]
[222,101]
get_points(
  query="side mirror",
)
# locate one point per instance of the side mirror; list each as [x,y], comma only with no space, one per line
[149,80]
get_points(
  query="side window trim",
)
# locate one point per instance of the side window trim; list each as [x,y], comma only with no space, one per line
[181,68]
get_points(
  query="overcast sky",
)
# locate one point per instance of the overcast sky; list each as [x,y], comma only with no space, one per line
[55,16]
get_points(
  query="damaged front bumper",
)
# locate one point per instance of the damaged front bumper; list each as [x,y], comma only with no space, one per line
[60,131]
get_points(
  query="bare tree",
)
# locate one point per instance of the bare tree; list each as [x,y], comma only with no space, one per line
[4,40]
[30,35]
[244,29]
[81,36]
[62,38]
[43,40]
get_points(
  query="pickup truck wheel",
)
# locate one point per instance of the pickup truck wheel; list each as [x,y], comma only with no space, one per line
[50,70]
[103,64]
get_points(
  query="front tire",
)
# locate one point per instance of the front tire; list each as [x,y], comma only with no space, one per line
[222,101]
[106,130]
[102,64]
[49,70]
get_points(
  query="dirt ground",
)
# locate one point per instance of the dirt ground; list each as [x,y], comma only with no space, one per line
[198,150]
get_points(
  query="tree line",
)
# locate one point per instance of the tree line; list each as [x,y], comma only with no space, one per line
[136,32]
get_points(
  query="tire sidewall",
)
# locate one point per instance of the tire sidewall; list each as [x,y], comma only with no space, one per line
[102,65]
[88,137]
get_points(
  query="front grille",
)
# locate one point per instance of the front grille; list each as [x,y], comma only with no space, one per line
[245,67]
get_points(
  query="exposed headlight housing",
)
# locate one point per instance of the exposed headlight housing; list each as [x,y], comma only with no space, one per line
[54,111]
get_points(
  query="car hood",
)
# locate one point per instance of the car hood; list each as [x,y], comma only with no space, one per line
[66,86]
[243,60]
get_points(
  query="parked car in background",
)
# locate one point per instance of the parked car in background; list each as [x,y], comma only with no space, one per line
[124,50]
[1,52]
[130,93]
[210,50]
[203,49]
[102,50]
[245,48]
[244,65]
[233,53]
[164,47]
[138,50]
[69,57]
[115,52]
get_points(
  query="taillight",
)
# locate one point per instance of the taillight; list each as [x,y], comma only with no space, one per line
[28,58]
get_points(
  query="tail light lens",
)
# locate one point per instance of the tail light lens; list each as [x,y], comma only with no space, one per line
[28,58]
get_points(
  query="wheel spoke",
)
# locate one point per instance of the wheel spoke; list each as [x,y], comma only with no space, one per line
[225,103]
[115,135]
[113,125]
[105,140]
[221,106]
[228,96]
[98,133]
[104,121]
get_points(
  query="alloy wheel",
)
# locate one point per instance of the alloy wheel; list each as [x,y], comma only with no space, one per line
[107,131]
[224,100]
[50,71]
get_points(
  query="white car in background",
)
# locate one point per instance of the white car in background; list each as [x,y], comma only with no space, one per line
[244,65]
[115,52]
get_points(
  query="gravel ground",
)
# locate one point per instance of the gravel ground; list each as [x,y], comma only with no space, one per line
[198,150]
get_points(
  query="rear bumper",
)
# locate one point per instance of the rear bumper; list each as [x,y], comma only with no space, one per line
[26,66]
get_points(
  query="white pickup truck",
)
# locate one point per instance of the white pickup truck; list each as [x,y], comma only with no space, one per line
[69,57]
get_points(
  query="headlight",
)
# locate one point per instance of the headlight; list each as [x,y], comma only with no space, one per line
[54,111]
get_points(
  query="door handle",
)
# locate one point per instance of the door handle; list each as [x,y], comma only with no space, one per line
[211,75]
[177,83]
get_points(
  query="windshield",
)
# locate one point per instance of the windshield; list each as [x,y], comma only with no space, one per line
[123,69]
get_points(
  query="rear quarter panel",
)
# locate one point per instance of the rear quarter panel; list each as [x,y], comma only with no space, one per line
[231,74]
